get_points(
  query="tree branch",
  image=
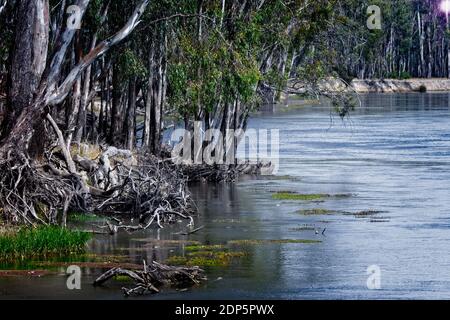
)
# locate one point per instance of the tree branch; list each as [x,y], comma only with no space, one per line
[62,145]
[58,95]
[3,6]
[61,47]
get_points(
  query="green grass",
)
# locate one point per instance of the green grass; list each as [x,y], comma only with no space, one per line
[42,241]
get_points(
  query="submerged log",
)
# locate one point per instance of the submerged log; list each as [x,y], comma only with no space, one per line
[155,276]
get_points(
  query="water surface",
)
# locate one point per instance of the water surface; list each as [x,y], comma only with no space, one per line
[392,155]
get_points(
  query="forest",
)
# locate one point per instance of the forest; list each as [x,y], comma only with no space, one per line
[88,88]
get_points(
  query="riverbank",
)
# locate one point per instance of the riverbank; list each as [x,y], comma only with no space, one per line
[400,86]
[385,85]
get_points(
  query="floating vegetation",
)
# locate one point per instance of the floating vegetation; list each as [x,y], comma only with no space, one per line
[315,212]
[288,195]
[363,214]
[206,258]
[205,247]
[296,196]
[278,241]
[211,259]
[42,241]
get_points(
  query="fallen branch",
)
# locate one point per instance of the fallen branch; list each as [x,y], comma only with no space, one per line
[154,276]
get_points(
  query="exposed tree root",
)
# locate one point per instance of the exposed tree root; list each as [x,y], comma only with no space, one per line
[228,173]
[116,184]
[155,276]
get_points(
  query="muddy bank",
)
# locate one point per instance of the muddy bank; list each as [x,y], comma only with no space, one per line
[393,85]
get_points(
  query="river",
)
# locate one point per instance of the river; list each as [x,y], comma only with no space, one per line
[392,156]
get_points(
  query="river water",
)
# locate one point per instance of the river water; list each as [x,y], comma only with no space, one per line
[392,155]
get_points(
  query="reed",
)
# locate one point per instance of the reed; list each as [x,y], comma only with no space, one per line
[41,242]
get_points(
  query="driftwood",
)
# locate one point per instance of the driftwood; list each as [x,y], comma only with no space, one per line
[154,276]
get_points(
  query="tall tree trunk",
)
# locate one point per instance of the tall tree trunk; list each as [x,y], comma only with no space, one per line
[148,101]
[131,115]
[28,59]
[115,136]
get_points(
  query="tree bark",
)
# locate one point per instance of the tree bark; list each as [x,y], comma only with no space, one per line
[131,115]
[28,59]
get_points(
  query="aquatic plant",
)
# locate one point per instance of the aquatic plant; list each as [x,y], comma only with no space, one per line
[296,196]
[277,241]
[42,241]
[365,213]
[205,247]
[289,195]
[206,258]
[314,212]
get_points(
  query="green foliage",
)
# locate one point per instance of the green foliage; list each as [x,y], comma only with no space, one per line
[131,65]
[400,76]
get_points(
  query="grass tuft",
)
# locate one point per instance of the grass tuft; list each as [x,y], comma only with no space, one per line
[42,241]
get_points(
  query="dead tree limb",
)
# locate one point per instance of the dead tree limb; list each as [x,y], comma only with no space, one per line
[62,145]
[154,276]
[57,96]
[3,6]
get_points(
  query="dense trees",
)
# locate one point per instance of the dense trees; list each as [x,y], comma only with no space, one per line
[413,40]
[202,62]
[112,73]
[208,61]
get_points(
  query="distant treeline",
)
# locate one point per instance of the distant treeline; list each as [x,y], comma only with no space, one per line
[413,40]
